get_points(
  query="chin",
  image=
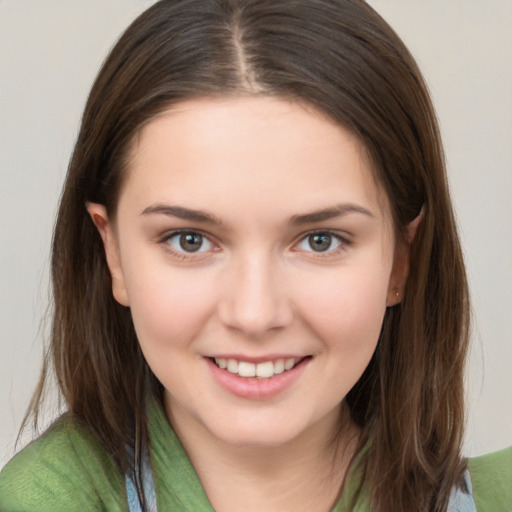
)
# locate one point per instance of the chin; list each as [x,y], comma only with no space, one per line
[256,439]
[258,432]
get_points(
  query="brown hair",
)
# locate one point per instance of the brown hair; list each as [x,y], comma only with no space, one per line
[341,57]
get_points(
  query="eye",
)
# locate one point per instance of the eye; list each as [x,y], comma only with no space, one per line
[189,242]
[320,242]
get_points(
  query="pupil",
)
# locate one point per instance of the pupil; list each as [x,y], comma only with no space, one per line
[320,242]
[191,242]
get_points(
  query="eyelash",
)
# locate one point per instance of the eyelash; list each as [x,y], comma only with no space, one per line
[343,243]
[184,255]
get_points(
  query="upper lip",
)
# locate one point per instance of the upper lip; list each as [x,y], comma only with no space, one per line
[257,359]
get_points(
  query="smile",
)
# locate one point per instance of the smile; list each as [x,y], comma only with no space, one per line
[260,379]
[263,370]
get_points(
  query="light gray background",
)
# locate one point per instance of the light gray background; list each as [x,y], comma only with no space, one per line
[50,51]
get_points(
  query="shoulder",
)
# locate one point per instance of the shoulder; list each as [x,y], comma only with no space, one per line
[65,469]
[491,476]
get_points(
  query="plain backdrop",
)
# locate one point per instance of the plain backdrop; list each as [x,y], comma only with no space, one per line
[50,51]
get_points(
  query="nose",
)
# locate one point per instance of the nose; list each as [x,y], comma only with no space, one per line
[254,299]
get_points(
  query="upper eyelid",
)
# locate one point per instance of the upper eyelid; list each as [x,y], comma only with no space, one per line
[174,232]
[168,235]
[344,239]
[343,236]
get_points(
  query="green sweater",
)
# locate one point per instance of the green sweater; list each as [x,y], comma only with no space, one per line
[67,470]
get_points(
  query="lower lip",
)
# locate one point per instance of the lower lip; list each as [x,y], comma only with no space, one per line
[254,388]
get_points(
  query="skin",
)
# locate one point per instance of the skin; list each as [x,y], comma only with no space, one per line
[256,287]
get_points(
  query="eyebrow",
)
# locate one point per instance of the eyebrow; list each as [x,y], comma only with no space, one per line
[183,213]
[308,218]
[330,213]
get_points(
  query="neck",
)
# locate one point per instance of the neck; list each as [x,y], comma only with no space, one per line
[306,473]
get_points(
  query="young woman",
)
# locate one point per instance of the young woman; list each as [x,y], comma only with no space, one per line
[259,296]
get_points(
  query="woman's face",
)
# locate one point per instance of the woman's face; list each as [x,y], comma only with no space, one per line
[256,252]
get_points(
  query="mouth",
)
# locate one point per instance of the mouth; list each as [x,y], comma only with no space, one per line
[262,370]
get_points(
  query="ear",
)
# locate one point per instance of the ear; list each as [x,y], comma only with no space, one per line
[99,216]
[400,270]
[412,227]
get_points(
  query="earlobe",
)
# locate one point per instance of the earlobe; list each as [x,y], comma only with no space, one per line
[99,216]
[399,274]
[400,271]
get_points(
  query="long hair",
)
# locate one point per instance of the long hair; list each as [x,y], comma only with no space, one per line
[342,58]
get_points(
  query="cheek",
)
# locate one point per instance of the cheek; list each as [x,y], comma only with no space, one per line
[344,312]
[169,307]
[347,308]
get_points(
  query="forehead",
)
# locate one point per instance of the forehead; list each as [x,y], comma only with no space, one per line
[235,149]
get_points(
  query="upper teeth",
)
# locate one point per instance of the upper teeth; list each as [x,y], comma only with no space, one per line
[263,370]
